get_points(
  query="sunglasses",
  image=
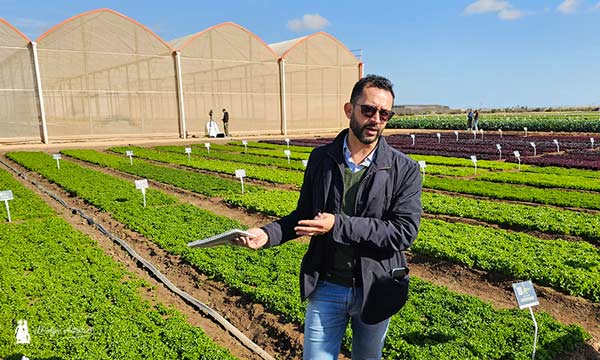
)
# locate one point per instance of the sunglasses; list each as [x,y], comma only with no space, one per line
[369,111]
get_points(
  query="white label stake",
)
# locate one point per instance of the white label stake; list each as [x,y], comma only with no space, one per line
[439,136]
[22,332]
[422,165]
[142,185]
[305,163]
[500,131]
[57,157]
[207,146]
[245,143]
[499,147]
[481,131]
[188,151]
[287,153]
[287,141]
[456,133]
[525,129]
[592,141]
[130,154]
[533,145]
[241,173]
[518,156]
[526,298]
[412,136]
[474,160]
[557,146]
[6,196]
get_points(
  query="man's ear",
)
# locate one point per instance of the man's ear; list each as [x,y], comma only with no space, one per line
[348,110]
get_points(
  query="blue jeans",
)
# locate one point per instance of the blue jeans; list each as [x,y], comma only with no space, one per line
[329,309]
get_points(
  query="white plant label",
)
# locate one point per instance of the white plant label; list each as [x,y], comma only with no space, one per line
[6,196]
[245,143]
[518,156]
[241,173]
[287,153]
[474,160]
[500,131]
[287,141]
[57,157]
[456,133]
[412,136]
[525,129]
[305,163]
[207,146]
[22,332]
[557,146]
[130,154]
[499,147]
[439,136]
[142,185]
[534,149]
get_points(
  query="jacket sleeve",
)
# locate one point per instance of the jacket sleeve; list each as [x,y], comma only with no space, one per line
[282,230]
[397,229]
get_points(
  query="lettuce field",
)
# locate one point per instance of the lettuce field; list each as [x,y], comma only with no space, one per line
[536,217]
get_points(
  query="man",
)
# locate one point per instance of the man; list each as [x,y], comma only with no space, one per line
[226,122]
[361,204]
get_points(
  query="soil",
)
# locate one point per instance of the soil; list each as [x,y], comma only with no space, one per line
[277,337]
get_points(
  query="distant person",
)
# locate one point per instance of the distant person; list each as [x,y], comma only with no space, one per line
[361,204]
[470,120]
[226,122]
[476,120]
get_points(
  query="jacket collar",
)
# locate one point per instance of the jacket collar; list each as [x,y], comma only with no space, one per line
[383,152]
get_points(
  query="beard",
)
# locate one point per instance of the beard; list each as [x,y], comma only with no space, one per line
[361,131]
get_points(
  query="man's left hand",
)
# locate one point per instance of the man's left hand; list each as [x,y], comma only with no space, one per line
[321,224]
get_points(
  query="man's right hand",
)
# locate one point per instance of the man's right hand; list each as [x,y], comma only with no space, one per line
[259,240]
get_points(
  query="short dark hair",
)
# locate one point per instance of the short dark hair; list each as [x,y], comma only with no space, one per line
[371,81]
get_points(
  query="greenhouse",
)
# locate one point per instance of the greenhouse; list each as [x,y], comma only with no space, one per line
[228,67]
[19,116]
[319,72]
[102,75]
[105,75]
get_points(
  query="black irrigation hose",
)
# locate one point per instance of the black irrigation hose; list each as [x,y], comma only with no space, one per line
[154,271]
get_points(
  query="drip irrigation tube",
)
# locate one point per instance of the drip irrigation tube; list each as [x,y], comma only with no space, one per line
[153,270]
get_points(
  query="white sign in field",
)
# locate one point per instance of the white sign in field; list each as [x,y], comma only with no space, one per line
[57,157]
[6,196]
[241,173]
[287,153]
[142,185]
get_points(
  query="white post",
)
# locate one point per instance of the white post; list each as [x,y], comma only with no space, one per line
[188,151]
[287,141]
[499,147]
[7,210]
[129,153]
[40,94]
[57,158]
[533,145]
[592,141]
[474,160]
[287,153]
[557,147]
[245,143]
[412,136]
[5,196]
[182,124]
[456,133]
[241,173]
[439,136]
[518,156]
[207,146]
[535,336]
[423,165]
[283,104]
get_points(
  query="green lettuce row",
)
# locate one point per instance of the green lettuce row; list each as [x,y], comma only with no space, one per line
[275,153]
[563,198]
[237,157]
[270,277]
[279,176]
[261,145]
[79,303]
[516,216]
[25,205]
[543,180]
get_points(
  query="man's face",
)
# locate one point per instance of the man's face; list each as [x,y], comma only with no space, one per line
[368,129]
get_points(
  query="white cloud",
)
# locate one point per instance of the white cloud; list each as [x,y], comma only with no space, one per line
[504,10]
[568,6]
[308,22]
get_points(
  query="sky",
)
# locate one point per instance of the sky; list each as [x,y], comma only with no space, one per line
[481,54]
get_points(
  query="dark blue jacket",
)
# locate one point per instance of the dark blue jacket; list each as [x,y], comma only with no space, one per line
[386,222]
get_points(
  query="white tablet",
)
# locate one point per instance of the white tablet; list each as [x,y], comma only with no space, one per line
[224,238]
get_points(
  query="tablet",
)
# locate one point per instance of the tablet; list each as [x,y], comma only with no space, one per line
[224,238]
